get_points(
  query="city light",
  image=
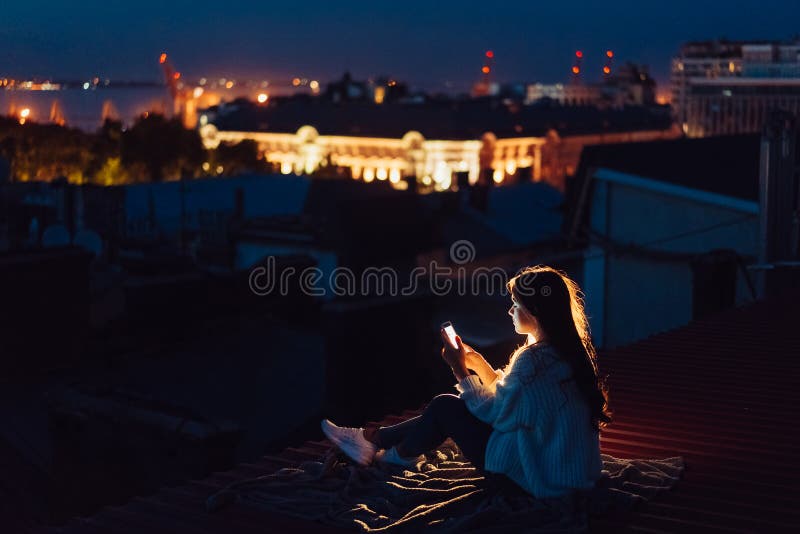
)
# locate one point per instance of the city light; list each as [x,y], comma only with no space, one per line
[314,85]
[262,97]
[24,114]
[229,84]
[198,92]
[296,82]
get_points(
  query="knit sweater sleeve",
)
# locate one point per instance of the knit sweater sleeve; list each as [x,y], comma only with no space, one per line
[496,404]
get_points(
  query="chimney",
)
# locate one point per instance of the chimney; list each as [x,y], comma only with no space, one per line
[779,196]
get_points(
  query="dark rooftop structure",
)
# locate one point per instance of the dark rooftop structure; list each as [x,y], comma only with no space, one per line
[721,392]
[724,165]
[453,120]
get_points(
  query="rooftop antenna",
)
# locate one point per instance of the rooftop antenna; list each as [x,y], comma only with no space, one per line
[576,67]
[608,64]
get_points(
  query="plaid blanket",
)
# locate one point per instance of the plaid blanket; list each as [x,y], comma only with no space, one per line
[445,493]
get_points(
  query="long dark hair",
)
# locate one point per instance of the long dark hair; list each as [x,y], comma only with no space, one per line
[555,300]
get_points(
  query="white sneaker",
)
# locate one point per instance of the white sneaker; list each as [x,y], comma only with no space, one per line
[391,456]
[351,441]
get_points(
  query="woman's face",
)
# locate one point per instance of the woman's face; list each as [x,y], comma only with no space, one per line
[524,322]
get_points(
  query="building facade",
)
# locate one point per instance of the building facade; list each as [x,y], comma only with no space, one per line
[433,162]
[721,88]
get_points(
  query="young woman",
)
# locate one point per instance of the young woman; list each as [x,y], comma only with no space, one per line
[536,421]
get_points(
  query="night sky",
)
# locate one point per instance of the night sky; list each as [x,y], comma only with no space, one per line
[426,43]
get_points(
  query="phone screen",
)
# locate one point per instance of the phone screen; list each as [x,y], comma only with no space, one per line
[451,333]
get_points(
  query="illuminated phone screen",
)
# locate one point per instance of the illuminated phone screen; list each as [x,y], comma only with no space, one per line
[451,333]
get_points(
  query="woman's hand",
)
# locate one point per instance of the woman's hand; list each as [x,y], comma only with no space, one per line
[472,358]
[455,357]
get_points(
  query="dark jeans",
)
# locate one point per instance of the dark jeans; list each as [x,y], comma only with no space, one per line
[446,416]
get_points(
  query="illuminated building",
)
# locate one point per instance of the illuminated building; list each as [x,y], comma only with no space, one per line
[376,158]
[565,94]
[724,87]
[439,144]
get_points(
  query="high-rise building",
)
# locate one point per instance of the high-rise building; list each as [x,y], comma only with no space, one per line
[728,87]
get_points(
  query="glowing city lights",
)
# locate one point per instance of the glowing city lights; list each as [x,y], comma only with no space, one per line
[24,113]
[262,97]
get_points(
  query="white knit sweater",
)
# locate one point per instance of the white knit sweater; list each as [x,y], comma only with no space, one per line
[542,438]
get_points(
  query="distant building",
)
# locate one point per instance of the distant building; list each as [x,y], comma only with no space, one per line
[630,85]
[564,94]
[728,87]
[429,145]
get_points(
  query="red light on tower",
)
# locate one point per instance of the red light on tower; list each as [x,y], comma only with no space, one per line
[162,59]
[489,54]
[576,70]
[176,75]
[606,70]
[578,54]
[486,69]
[609,53]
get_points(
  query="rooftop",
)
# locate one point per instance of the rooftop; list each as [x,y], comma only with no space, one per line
[720,391]
[439,120]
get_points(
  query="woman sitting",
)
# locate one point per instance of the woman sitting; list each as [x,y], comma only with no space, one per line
[536,421]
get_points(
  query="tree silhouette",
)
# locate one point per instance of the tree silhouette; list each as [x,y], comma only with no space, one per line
[164,147]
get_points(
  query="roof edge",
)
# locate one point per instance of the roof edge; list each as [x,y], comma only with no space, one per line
[659,186]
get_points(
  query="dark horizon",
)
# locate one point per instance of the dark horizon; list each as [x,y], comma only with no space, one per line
[430,46]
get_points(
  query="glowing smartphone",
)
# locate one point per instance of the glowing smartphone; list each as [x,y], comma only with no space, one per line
[451,333]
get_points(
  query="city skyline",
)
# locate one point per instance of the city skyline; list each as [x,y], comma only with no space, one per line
[431,46]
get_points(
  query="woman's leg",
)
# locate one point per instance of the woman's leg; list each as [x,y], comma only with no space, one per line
[446,416]
[389,436]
